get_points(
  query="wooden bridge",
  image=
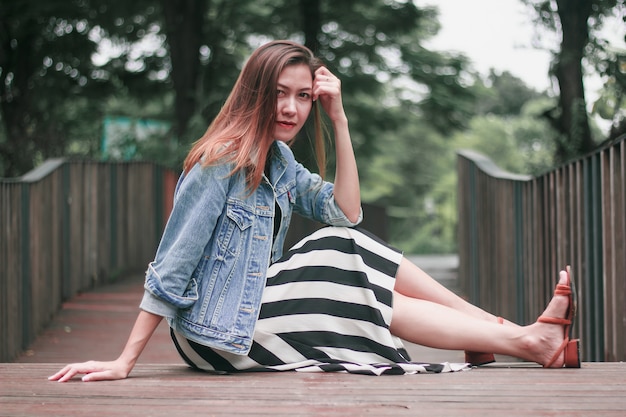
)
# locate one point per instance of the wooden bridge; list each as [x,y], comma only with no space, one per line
[75,236]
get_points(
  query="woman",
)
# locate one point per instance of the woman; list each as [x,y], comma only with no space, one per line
[340,299]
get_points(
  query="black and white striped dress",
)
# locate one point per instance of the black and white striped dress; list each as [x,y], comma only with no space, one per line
[326,308]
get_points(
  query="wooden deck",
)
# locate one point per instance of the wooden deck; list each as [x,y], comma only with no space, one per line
[95,326]
[173,390]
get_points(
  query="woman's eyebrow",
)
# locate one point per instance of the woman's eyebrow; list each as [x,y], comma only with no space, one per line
[286,87]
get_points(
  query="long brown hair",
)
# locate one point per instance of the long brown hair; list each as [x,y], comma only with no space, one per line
[243,131]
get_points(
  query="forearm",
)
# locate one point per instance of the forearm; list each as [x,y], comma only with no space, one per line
[347,191]
[144,327]
[327,88]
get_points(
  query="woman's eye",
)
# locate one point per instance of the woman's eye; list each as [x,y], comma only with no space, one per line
[280,93]
[305,95]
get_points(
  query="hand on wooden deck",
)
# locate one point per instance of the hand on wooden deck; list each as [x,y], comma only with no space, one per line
[93,371]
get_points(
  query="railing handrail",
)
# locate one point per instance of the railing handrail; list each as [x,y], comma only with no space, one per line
[490,168]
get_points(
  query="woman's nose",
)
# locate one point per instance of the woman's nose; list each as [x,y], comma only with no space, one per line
[289,105]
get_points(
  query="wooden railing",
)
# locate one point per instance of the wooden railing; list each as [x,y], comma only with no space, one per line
[69,226]
[517,232]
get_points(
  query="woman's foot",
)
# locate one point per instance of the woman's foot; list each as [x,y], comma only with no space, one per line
[550,345]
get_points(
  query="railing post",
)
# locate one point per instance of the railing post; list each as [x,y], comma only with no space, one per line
[113,202]
[520,236]
[66,220]
[593,289]
[26,272]
[473,273]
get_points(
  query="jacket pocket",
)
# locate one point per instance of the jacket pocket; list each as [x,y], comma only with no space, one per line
[242,217]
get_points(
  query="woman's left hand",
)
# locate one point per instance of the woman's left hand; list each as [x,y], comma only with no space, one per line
[327,89]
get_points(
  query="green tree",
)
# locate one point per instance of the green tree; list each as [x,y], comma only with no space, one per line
[194,49]
[504,94]
[578,22]
[371,47]
[611,105]
[521,144]
[408,164]
[178,61]
[50,88]
[515,113]
[512,133]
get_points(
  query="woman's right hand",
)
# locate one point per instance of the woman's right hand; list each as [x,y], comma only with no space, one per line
[143,329]
[93,371]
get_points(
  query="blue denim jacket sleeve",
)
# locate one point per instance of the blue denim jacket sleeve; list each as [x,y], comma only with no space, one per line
[199,200]
[315,199]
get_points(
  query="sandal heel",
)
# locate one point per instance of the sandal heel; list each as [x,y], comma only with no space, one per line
[479,358]
[572,354]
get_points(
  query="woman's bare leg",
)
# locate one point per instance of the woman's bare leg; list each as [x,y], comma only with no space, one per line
[436,325]
[413,282]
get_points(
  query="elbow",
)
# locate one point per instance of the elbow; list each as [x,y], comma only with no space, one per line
[355,216]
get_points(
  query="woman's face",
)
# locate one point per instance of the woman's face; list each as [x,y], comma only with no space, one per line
[294,101]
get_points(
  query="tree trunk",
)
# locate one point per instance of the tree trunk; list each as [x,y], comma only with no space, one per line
[184,24]
[310,16]
[573,122]
[311,23]
[16,153]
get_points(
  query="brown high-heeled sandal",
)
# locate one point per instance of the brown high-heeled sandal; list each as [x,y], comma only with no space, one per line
[570,347]
[481,358]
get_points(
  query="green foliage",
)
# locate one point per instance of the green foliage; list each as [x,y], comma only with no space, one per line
[375,48]
[504,94]
[415,172]
[578,23]
[611,105]
[50,89]
[67,65]
[408,165]
[519,144]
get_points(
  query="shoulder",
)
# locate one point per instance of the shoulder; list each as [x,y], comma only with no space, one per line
[218,169]
[216,175]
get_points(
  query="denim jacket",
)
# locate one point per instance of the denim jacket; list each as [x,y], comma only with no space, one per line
[209,271]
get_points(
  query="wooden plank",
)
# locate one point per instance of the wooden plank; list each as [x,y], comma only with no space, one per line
[166,390]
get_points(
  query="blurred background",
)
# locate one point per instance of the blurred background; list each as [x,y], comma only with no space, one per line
[141,80]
